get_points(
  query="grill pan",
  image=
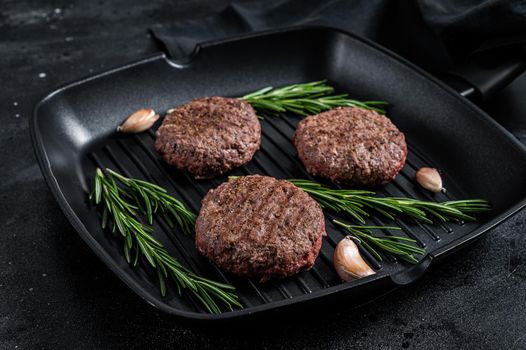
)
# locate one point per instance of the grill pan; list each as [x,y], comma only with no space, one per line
[73,133]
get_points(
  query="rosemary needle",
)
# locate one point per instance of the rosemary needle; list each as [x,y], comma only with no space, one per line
[305,99]
[401,247]
[138,241]
[358,204]
[152,199]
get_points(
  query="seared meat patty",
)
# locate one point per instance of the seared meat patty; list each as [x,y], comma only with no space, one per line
[257,226]
[209,136]
[351,145]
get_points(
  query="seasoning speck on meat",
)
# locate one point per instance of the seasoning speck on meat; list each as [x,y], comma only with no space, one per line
[257,226]
[209,136]
[351,145]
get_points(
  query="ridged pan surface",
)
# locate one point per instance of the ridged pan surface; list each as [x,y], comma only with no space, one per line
[73,131]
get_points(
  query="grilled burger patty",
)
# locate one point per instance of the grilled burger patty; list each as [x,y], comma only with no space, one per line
[257,226]
[351,145]
[209,136]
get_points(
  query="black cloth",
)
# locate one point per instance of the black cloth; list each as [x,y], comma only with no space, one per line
[433,34]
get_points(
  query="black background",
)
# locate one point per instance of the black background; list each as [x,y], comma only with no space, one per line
[54,293]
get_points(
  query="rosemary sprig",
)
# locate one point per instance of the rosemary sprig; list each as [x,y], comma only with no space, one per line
[396,245]
[139,241]
[152,199]
[305,99]
[358,203]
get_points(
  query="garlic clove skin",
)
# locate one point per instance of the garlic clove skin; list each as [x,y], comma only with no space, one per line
[139,121]
[430,179]
[348,262]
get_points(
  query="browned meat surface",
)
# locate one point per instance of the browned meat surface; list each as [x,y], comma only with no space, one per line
[257,226]
[351,145]
[209,136]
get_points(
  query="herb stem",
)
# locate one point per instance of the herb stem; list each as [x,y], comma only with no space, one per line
[152,199]
[358,204]
[305,99]
[396,245]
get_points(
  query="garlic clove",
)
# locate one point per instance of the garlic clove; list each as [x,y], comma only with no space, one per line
[348,262]
[139,121]
[430,179]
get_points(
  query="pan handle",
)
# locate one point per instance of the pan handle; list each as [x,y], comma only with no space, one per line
[479,77]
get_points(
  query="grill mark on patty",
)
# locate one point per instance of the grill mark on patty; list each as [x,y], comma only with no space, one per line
[292,213]
[266,205]
[277,206]
[241,205]
[261,203]
[283,200]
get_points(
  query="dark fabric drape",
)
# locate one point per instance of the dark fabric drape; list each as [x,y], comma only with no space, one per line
[432,34]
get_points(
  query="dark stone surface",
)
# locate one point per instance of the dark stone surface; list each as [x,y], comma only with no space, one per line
[54,293]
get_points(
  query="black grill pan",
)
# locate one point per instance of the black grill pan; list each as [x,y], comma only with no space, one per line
[73,133]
